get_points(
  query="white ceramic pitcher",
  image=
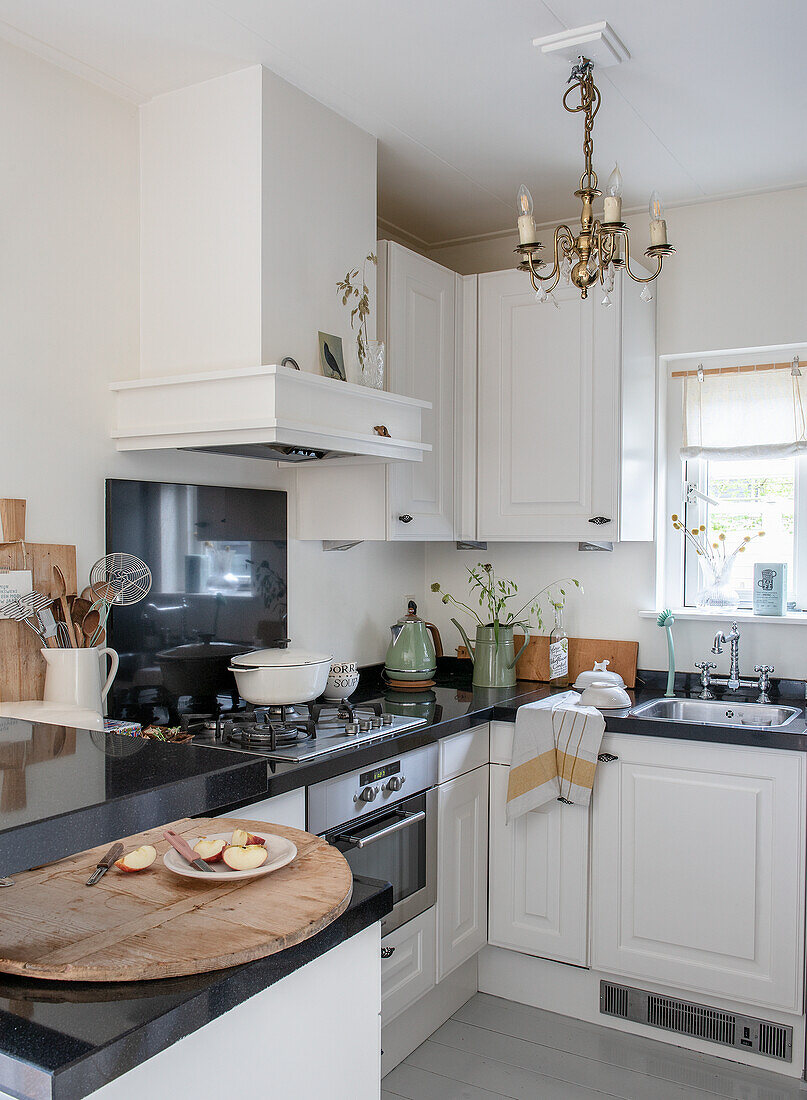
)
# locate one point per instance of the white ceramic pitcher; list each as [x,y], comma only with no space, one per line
[73,677]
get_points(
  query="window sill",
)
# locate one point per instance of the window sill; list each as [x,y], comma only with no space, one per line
[792,618]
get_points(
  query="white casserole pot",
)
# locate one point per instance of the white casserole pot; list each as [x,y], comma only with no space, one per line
[278,677]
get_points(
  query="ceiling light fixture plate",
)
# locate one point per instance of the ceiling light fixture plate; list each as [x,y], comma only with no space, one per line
[599,41]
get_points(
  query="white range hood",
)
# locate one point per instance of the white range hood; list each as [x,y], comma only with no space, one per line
[270,412]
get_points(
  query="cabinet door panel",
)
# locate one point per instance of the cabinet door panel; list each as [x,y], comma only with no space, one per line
[698,868]
[538,877]
[421,345]
[548,413]
[462,860]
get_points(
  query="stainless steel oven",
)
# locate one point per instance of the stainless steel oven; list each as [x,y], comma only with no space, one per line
[384,819]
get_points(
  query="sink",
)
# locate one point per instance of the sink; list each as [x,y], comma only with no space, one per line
[716,712]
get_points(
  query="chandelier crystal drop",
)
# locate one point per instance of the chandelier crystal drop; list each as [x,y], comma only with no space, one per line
[601,247]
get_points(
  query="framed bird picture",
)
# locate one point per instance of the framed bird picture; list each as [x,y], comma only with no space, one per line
[331,356]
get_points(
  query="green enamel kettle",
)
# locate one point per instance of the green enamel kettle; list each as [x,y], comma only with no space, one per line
[414,649]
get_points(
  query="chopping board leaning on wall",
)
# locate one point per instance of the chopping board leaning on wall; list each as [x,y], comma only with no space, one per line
[22,669]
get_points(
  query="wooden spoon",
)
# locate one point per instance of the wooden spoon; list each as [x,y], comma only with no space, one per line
[79,609]
[89,624]
[61,596]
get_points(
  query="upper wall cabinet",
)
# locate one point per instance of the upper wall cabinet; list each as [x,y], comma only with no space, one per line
[419,319]
[566,414]
[417,314]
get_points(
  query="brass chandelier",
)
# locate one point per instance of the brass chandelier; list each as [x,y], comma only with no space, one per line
[601,247]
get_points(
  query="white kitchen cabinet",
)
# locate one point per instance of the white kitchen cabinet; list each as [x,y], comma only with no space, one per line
[281,809]
[419,318]
[538,877]
[698,868]
[462,862]
[417,309]
[566,414]
[409,969]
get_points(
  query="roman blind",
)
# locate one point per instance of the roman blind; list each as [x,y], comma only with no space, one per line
[746,412]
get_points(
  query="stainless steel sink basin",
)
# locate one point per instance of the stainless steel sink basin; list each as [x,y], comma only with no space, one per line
[715,712]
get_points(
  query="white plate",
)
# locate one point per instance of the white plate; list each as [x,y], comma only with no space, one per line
[281,852]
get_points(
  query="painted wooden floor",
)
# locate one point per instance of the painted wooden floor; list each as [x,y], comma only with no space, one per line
[495,1048]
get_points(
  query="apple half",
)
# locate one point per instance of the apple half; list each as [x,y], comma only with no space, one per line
[138,860]
[245,857]
[241,838]
[210,850]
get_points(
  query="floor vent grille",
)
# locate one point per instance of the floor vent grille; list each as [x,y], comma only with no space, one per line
[715,1025]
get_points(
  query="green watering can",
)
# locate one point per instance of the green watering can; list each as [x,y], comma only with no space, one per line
[494,662]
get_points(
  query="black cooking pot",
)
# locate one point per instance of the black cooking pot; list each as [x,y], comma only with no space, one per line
[199,669]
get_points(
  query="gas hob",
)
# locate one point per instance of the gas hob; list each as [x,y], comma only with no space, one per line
[302,732]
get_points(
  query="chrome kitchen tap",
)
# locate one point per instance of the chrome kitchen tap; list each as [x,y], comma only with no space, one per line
[733,638]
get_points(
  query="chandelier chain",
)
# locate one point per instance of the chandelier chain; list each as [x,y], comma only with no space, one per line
[583,77]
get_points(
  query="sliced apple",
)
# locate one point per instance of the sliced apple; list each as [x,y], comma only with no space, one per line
[245,857]
[210,850]
[138,860]
[241,838]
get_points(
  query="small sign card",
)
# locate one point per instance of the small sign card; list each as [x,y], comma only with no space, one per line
[770,588]
[14,583]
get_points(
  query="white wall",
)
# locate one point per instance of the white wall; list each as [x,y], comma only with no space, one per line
[699,309]
[69,308]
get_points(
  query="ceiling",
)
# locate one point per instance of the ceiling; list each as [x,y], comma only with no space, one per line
[464,107]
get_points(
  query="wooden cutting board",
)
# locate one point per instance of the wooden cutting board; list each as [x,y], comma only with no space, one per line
[22,669]
[155,924]
[583,652]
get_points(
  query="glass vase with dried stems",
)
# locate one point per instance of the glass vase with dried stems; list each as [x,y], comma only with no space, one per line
[716,563]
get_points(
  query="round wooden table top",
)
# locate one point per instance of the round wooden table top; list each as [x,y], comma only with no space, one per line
[155,924]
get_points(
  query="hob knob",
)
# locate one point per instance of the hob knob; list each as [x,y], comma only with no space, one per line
[395,783]
[368,794]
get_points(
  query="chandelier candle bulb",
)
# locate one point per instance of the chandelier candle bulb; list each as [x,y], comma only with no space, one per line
[658,226]
[612,204]
[527,229]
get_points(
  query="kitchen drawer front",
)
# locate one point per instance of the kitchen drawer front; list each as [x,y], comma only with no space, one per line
[411,970]
[282,809]
[463,752]
[501,742]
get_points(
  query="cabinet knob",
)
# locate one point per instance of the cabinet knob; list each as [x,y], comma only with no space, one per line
[607,757]
[387,952]
[405,519]
[600,520]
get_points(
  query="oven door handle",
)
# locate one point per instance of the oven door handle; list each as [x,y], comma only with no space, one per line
[405,820]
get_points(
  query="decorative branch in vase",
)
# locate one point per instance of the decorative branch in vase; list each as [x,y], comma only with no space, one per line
[370,352]
[494,655]
[716,564]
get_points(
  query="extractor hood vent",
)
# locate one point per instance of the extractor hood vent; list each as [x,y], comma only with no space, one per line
[269,412]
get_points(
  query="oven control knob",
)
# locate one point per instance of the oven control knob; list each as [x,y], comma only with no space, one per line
[386,719]
[368,794]
[395,782]
[376,722]
[364,725]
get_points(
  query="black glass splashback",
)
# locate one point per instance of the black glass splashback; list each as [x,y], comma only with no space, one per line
[218,558]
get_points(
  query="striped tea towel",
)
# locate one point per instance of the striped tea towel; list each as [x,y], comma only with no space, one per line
[555,746]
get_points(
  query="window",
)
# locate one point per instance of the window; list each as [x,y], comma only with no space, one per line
[751,496]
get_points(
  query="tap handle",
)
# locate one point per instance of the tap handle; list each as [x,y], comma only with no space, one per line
[764,669]
[705,667]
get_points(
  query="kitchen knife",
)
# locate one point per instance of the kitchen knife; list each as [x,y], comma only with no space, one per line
[103,865]
[181,845]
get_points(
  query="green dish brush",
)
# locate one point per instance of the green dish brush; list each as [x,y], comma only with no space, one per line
[666,620]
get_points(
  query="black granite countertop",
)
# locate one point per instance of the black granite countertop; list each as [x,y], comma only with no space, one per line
[453,705]
[64,1040]
[64,790]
